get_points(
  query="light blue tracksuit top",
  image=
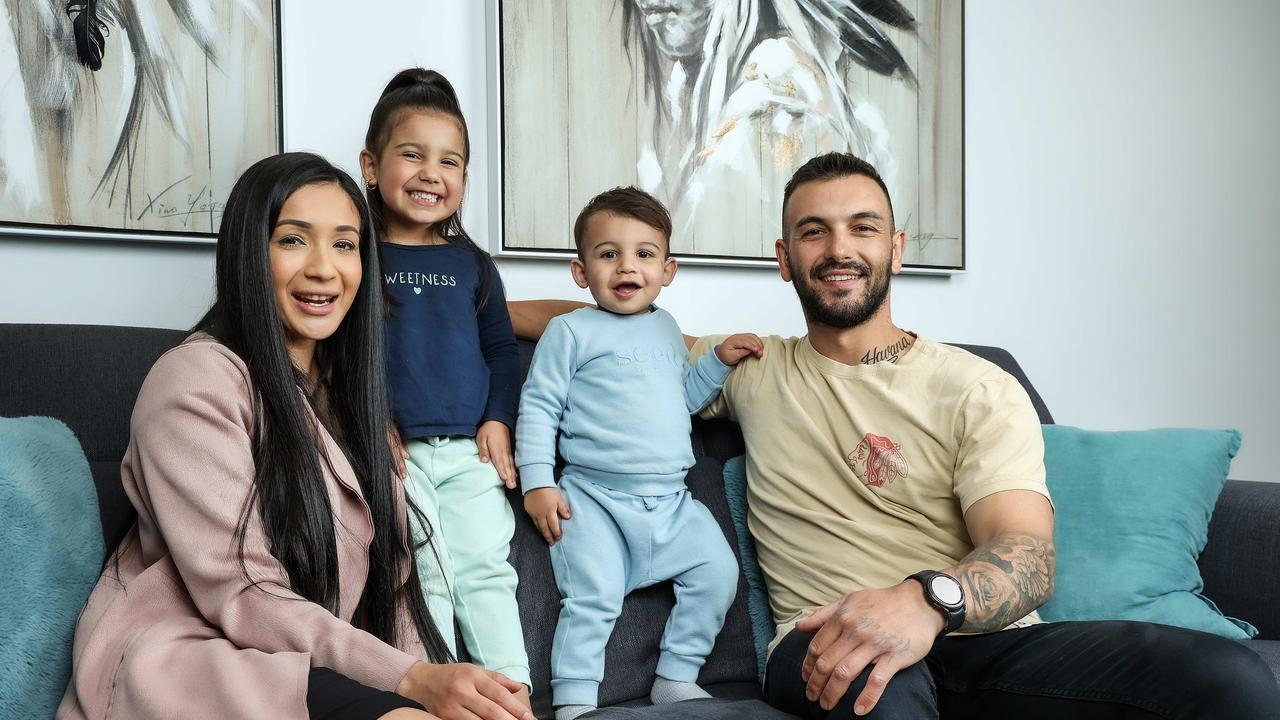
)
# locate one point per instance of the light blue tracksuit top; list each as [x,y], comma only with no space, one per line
[619,390]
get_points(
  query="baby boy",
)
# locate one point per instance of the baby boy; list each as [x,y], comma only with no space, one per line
[615,383]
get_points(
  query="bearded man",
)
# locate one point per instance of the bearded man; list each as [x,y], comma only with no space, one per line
[897,498]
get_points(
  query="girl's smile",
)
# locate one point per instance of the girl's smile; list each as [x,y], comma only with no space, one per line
[420,173]
[425,199]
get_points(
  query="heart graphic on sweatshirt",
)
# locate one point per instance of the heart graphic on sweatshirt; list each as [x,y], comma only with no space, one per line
[417,291]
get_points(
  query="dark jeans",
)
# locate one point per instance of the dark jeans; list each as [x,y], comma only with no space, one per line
[1094,670]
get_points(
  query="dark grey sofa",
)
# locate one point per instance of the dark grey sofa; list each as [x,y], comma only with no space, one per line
[88,376]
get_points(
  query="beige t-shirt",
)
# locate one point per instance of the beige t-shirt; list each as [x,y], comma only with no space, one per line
[859,475]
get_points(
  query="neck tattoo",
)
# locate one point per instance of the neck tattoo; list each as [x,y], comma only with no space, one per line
[890,353]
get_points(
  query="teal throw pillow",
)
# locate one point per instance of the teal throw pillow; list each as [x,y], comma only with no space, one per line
[735,492]
[1132,516]
[50,556]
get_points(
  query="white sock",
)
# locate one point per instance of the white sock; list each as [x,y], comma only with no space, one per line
[569,712]
[672,691]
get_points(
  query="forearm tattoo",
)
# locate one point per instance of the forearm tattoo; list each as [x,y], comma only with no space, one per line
[1004,579]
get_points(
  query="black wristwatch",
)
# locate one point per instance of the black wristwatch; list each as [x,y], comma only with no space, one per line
[943,592]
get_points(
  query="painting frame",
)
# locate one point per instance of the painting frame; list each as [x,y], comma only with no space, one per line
[27,230]
[948,188]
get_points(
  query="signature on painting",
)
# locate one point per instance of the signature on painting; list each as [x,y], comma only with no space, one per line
[171,203]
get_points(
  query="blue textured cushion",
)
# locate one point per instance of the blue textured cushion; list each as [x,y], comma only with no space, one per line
[50,555]
[1132,515]
[762,628]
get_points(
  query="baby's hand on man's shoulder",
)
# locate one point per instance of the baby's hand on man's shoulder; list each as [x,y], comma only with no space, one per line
[735,347]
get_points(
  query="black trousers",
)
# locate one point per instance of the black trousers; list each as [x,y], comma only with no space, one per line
[334,696]
[1094,670]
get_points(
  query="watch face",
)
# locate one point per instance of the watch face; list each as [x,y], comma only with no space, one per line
[946,590]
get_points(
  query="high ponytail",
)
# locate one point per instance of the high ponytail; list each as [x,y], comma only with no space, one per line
[417,89]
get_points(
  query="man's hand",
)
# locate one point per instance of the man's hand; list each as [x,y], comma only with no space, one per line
[546,506]
[892,628]
[1008,574]
[735,347]
[493,440]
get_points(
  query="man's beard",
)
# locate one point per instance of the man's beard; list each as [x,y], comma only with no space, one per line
[845,311]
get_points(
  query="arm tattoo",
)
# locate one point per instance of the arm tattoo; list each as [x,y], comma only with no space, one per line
[1004,579]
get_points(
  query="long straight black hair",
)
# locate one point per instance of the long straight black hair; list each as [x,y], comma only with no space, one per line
[416,89]
[288,485]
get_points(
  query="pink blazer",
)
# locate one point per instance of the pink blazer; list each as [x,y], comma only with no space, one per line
[181,632]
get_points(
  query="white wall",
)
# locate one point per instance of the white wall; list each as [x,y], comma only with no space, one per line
[1120,163]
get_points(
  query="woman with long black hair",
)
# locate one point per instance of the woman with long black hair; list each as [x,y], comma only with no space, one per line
[270,572]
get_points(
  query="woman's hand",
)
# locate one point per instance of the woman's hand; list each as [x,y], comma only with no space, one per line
[461,690]
[493,439]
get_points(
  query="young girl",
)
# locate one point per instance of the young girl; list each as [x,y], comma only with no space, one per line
[453,369]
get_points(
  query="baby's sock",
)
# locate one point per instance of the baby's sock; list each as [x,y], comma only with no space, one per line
[569,712]
[671,691]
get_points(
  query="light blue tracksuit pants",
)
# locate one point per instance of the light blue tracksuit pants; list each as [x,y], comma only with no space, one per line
[616,542]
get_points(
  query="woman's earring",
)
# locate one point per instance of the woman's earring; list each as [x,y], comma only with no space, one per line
[370,185]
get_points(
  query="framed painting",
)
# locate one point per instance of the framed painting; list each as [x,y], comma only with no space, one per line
[712,104]
[131,120]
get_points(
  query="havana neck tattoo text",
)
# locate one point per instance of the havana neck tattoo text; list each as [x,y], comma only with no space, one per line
[890,353]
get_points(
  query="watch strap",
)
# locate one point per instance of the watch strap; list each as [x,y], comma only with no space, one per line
[954,612]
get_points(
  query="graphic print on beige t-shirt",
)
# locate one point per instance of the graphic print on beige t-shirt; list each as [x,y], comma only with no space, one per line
[878,461]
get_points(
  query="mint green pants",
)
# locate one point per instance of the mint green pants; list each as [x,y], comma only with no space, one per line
[464,571]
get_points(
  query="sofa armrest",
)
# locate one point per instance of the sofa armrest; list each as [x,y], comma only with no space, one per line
[1241,562]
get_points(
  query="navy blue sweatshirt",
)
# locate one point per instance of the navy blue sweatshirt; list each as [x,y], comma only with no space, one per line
[449,368]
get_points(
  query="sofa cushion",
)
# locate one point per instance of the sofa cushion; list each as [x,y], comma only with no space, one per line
[93,383]
[719,708]
[1241,562]
[114,509]
[91,387]
[50,554]
[1268,650]
[1132,515]
[762,627]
